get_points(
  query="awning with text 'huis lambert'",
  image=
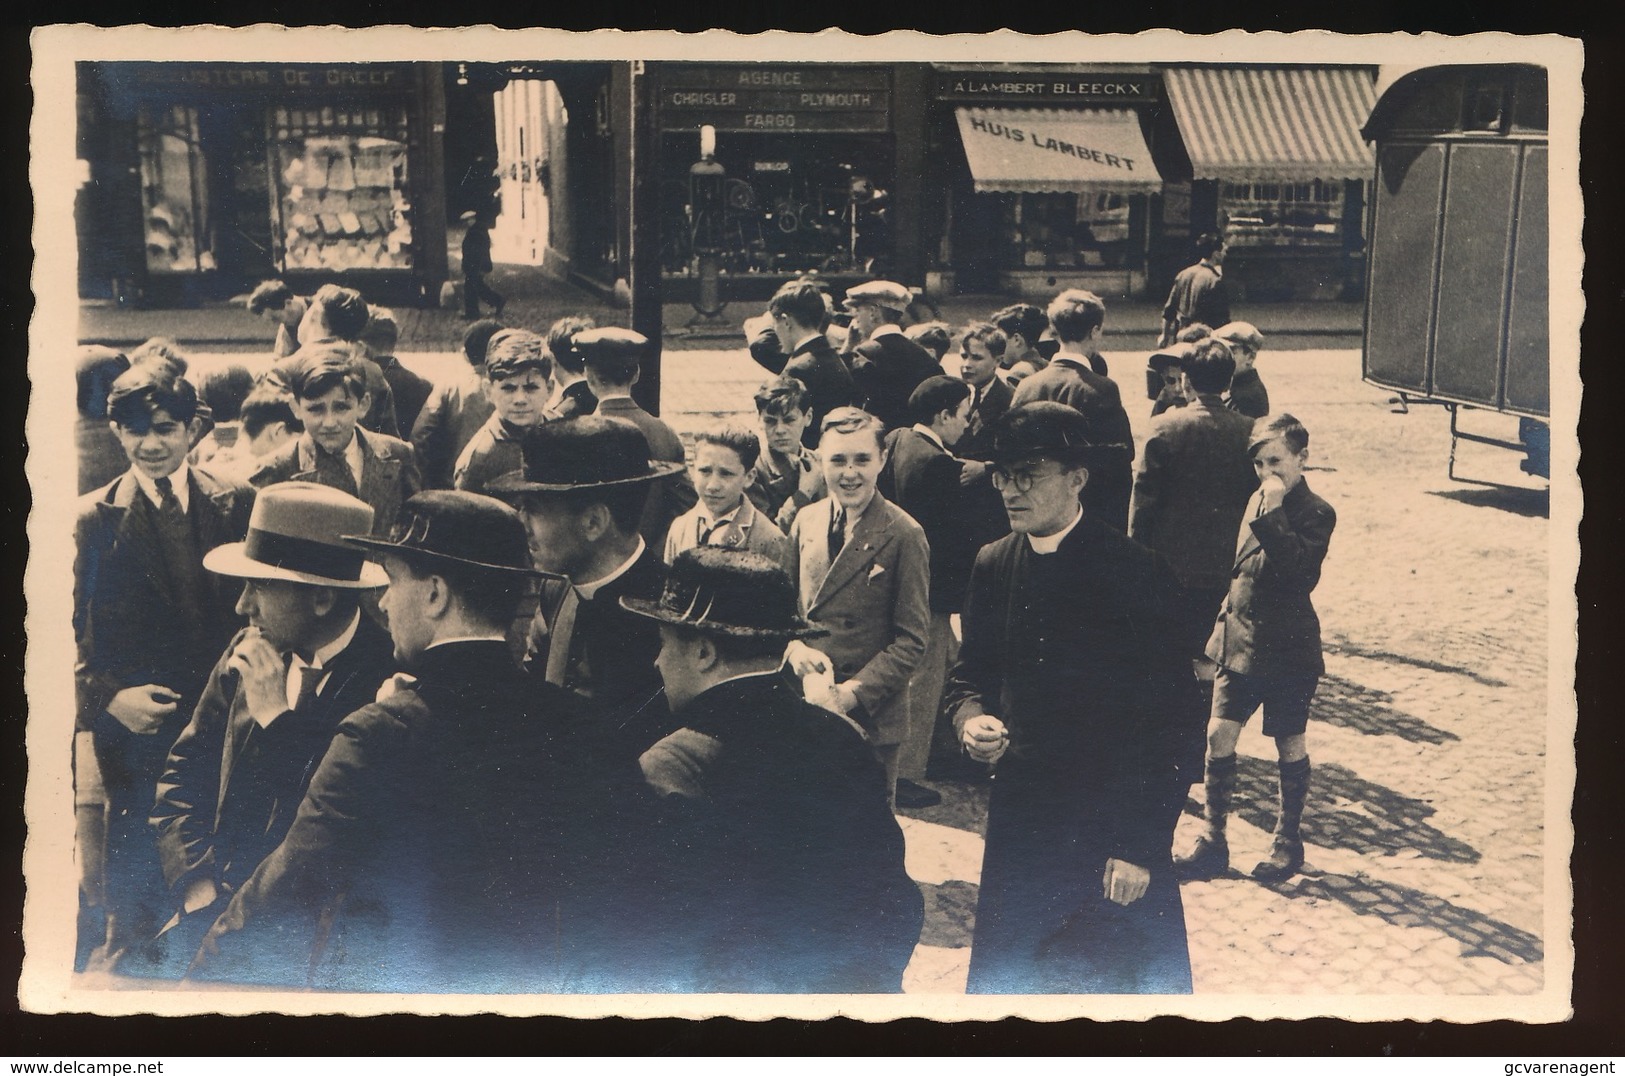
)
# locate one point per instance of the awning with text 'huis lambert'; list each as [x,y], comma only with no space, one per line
[1036,151]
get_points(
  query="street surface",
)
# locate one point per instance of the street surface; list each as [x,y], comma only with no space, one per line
[1425,870]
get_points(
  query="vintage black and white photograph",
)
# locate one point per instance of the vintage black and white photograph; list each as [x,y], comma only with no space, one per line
[803,525]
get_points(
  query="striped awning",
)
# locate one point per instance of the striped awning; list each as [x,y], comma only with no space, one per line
[1277,124]
[1068,151]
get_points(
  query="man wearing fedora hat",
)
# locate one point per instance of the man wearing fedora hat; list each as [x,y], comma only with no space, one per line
[581,491]
[1068,678]
[459,833]
[789,857]
[886,365]
[307,658]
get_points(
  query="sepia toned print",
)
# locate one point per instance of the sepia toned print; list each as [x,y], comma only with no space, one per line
[1255,688]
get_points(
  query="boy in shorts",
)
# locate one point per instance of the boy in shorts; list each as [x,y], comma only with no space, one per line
[1266,643]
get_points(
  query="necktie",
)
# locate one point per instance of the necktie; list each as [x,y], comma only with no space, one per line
[168,503]
[837,534]
[334,471]
[310,678]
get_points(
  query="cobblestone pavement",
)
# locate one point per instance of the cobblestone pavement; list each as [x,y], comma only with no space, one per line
[1425,870]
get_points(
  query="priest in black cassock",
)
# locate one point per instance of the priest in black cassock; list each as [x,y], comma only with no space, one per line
[1065,681]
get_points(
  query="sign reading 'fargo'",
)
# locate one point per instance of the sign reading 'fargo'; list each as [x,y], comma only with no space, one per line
[775,97]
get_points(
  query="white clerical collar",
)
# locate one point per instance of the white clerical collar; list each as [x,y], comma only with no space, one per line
[929,433]
[586,591]
[888,327]
[179,481]
[1050,543]
[466,639]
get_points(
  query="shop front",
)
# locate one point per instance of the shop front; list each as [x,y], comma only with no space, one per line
[204,179]
[1277,166]
[809,173]
[1047,177]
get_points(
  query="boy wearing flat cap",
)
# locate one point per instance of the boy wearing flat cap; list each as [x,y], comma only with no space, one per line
[886,365]
[454,838]
[1266,643]
[307,658]
[1064,680]
[149,622]
[613,357]
[789,856]
[581,493]
[518,381]
[329,397]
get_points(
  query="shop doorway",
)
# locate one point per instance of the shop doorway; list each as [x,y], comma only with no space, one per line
[530,120]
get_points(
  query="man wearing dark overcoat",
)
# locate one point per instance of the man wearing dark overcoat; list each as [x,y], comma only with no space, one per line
[789,339]
[886,365]
[1078,318]
[789,857]
[581,492]
[307,659]
[461,833]
[1061,681]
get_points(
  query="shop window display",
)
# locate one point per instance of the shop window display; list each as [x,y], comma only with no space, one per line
[343,199]
[1282,214]
[1055,231]
[174,191]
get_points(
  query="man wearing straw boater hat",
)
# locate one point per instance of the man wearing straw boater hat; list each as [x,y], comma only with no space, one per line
[581,492]
[454,836]
[779,808]
[307,658]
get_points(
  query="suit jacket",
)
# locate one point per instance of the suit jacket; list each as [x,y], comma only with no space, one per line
[786,849]
[875,599]
[1111,479]
[450,417]
[671,496]
[758,531]
[458,836]
[1247,395]
[994,402]
[1191,488]
[1070,651]
[389,472]
[887,369]
[1268,625]
[230,788]
[410,390]
[615,648]
[131,622]
[816,365]
[922,478]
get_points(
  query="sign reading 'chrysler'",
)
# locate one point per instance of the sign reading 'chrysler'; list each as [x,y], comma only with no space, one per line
[777,97]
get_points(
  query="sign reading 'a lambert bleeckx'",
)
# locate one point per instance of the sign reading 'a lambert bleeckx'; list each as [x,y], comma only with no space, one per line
[1039,86]
[776,97]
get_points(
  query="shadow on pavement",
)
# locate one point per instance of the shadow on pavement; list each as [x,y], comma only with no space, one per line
[1371,713]
[1404,907]
[1519,500]
[1345,811]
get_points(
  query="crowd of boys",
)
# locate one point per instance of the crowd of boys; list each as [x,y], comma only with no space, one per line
[492,685]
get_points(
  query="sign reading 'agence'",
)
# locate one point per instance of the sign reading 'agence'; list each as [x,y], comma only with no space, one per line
[770,97]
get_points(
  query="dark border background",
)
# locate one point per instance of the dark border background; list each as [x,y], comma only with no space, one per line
[1599,985]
